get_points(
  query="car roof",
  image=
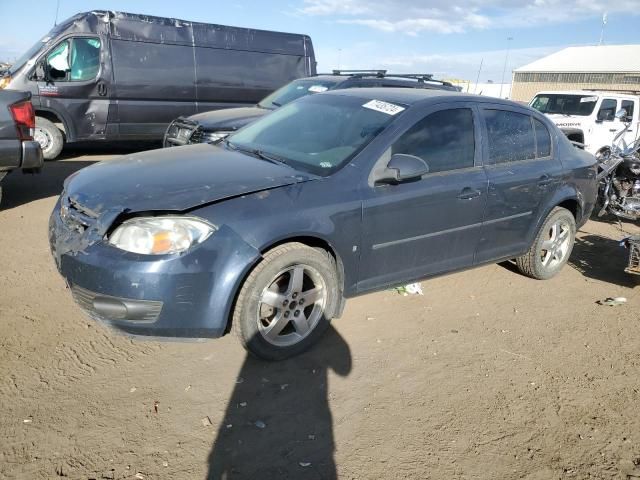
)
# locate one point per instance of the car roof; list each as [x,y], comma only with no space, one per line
[411,96]
[390,79]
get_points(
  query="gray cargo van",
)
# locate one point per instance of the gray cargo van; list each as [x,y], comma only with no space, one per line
[105,75]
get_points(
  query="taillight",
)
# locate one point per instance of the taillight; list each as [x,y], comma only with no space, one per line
[25,119]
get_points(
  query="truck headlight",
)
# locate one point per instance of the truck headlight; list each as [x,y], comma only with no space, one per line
[160,235]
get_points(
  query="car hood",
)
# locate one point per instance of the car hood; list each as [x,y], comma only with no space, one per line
[228,118]
[175,179]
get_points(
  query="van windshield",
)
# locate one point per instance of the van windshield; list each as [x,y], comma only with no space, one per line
[294,90]
[565,104]
[26,56]
[318,134]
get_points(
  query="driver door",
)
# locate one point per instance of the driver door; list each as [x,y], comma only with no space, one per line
[76,86]
[431,224]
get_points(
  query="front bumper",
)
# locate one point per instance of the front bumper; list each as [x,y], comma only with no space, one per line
[186,295]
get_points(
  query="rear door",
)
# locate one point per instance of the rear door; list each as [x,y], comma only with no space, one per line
[423,227]
[79,86]
[523,172]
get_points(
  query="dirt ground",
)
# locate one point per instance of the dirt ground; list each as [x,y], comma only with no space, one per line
[489,375]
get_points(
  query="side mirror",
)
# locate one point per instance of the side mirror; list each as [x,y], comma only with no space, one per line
[403,167]
[41,72]
[622,115]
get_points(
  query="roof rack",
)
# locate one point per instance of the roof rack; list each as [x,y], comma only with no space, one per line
[420,77]
[360,73]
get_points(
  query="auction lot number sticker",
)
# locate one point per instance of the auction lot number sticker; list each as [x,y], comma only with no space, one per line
[384,107]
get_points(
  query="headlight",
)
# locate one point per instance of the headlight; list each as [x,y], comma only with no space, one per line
[160,235]
[214,137]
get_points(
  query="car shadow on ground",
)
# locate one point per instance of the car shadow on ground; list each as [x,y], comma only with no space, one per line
[602,258]
[22,188]
[278,423]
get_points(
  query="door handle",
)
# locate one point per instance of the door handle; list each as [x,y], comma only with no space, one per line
[545,180]
[469,193]
[102,89]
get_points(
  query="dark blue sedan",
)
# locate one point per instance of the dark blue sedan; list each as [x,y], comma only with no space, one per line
[331,196]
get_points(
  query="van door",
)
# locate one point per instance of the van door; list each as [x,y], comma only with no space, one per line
[77,88]
[155,84]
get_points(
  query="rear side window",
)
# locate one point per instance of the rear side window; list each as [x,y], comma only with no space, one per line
[607,110]
[445,140]
[511,136]
[543,139]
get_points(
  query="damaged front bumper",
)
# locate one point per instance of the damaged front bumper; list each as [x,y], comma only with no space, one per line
[186,295]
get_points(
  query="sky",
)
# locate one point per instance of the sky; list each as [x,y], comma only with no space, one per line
[447,38]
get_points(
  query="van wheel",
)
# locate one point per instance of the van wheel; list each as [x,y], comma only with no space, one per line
[286,303]
[49,137]
[552,246]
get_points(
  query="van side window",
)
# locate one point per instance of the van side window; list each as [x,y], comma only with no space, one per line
[628,106]
[511,136]
[75,60]
[543,139]
[607,110]
[445,140]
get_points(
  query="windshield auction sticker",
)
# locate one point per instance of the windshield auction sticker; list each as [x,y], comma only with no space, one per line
[317,89]
[384,107]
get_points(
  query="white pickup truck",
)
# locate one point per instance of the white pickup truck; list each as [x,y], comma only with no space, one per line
[588,117]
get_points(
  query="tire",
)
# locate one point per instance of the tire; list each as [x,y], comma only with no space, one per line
[49,137]
[557,234]
[269,318]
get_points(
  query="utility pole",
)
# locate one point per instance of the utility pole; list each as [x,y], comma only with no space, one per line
[604,22]
[506,60]
[475,89]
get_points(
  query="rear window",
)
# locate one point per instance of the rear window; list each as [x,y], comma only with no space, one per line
[511,136]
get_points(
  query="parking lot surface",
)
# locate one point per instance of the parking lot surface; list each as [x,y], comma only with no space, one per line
[488,375]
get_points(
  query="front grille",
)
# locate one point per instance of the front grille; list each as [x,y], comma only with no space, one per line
[76,216]
[96,305]
[196,136]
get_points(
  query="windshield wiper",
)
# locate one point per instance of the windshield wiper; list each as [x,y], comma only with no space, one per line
[256,152]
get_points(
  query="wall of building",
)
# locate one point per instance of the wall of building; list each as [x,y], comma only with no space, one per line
[527,84]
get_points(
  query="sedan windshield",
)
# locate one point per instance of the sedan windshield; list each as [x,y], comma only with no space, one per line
[294,90]
[318,134]
[565,104]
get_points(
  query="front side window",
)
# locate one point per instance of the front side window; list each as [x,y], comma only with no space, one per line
[510,136]
[74,60]
[444,139]
[318,134]
[628,106]
[607,110]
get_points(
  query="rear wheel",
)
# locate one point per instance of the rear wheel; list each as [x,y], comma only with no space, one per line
[49,137]
[286,303]
[552,246]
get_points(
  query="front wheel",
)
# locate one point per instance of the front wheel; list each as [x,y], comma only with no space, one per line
[286,303]
[49,137]
[552,246]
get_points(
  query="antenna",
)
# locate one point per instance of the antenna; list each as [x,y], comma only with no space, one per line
[475,89]
[55,22]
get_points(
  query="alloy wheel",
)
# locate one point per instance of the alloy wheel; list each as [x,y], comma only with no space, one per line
[555,247]
[291,306]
